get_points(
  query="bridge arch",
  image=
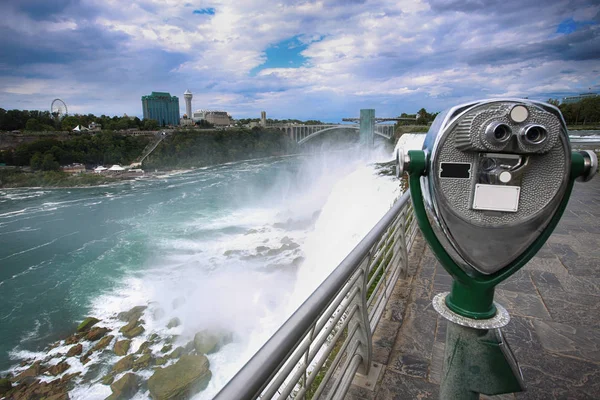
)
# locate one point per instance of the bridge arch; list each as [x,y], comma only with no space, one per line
[331,128]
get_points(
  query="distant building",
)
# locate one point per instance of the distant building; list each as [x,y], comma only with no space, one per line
[73,168]
[161,107]
[185,121]
[217,118]
[188,102]
[576,99]
[94,126]
[263,119]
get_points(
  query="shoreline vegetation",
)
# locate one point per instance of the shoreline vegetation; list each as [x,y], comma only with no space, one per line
[37,164]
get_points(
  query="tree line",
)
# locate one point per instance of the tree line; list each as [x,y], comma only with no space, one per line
[104,148]
[38,121]
[422,117]
[584,112]
[246,121]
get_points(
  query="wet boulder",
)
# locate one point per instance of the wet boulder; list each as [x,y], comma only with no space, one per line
[75,350]
[5,385]
[178,352]
[105,341]
[188,376]
[34,370]
[207,342]
[166,348]
[144,362]
[132,329]
[87,324]
[123,364]
[125,388]
[173,323]
[122,347]
[59,368]
[96,333]
[144,348]
[134,314]
[73,338]
[108,379]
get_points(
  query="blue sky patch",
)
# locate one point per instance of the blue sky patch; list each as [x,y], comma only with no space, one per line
[205,11]
[285,54]
[569,25]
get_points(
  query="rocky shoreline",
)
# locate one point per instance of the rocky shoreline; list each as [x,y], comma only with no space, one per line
[157,367]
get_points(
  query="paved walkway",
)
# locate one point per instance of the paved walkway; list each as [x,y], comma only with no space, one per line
[554,303]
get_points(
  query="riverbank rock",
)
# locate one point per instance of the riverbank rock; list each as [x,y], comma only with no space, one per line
[161,361]
[96,333]
[75,350]
[5,385]
[206,342]
[178,352]
[123,364]
[134,314]
[68,377]
[105,341]
[122,347]
[166,348]
[125,388]
[132,329]
[183,379]
[144,348]
[173,323]
[144,362]
[86,357]
[87,323]
[59,368]
[74,338]
[34,370]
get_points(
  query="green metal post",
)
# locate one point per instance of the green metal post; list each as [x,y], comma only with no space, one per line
[476,360]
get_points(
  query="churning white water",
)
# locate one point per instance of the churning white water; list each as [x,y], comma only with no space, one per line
[234,248]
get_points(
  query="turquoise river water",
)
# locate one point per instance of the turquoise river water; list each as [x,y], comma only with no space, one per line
[235,247]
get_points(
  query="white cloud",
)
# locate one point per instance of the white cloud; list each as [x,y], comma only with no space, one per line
[403,55]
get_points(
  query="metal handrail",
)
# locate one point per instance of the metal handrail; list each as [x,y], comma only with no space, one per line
[319,349]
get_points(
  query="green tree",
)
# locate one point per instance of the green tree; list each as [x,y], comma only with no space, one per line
[33,125]
[49,163]
[36,161]
[69,122]
[150,125]
[554,102]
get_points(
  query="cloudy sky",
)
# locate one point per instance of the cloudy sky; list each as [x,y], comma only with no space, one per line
[295,58]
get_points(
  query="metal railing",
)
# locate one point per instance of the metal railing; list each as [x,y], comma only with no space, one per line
[318,350]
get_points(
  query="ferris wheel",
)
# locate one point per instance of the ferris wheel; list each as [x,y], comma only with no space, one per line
[58,109]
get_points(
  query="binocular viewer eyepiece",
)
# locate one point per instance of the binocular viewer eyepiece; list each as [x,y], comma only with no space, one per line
[496,173]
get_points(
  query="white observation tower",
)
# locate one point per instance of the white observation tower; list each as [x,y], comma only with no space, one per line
[188,103]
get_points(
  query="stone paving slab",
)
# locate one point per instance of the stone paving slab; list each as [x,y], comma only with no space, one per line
[554,303]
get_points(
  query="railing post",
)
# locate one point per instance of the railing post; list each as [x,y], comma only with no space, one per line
[361,318]
[404,247]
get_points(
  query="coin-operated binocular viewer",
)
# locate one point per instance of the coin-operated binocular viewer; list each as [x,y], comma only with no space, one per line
[489,187]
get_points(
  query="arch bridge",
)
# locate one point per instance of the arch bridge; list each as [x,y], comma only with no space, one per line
[303,133]
[367,125]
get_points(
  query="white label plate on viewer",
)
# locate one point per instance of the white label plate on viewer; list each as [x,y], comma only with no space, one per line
[496,198]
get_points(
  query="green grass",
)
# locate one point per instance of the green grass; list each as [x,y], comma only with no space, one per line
[314,386]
